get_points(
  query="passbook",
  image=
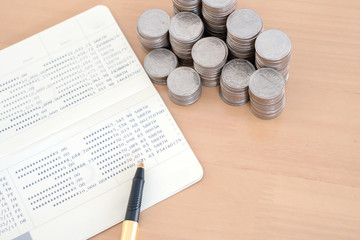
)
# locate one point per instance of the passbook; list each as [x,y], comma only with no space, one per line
[77,115]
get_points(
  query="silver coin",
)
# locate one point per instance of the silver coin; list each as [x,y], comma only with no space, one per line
[187,6]
[267,112]
[215,14]
[236,73]
[244,23]
[273,50]
[209,52]
[266,102]
[217,4]
[267,107]
[185,29]
[266,116]
[181,102]
[153,23]
[266,83]
[234,81]
[273,45]
[184,82]
[232,99]
[150,44]
[186,26]
[159,63]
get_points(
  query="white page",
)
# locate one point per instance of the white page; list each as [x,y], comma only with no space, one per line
[71,137]
[62,75]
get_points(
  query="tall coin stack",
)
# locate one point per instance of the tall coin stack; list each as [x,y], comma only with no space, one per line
[209,55]
[267,93]
[273,50]
[187,6]
[234,81]
[159,63]
[186,28]
[243,27]
[215,13]
[152,29]
[184,86]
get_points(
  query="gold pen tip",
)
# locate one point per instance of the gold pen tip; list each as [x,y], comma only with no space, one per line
[141,165]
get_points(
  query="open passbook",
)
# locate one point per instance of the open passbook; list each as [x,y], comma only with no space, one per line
[77,114]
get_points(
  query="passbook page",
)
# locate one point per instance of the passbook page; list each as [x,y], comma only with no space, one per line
[78,113]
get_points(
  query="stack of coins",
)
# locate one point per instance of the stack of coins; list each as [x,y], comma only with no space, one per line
[243,25]
[159,63]
[184,86]
[152,29]
[273,49]
[215,13]
[209,55]
[186,28]
[234,81]
[187,6]
[267,93]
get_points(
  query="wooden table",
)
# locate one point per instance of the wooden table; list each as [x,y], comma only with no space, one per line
[295,177]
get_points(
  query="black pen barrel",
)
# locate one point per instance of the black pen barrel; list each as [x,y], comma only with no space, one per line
[134,204]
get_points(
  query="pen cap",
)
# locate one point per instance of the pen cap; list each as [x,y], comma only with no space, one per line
[133,209]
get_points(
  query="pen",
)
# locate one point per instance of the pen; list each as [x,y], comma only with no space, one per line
[130,224]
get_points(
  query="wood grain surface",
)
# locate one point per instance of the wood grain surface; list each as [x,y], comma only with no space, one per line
[295,177]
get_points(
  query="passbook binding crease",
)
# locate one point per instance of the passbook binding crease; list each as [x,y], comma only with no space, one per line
[78,113]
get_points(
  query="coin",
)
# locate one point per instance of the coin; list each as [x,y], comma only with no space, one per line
[209,52]
[152,29]
[243,25]
[187,6]
[215,14]
[209,55]
[184,86]
[185,29]
[159,63]
[234,81]
[273,49]
[267,93]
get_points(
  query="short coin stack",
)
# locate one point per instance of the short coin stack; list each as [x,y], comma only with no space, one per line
[186,28]
[187,6]
[234,81]
[267,93]
[273,49]
[209,55]
[184,86]
[215,14]
[243,25]
[152,29]
[159,63]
